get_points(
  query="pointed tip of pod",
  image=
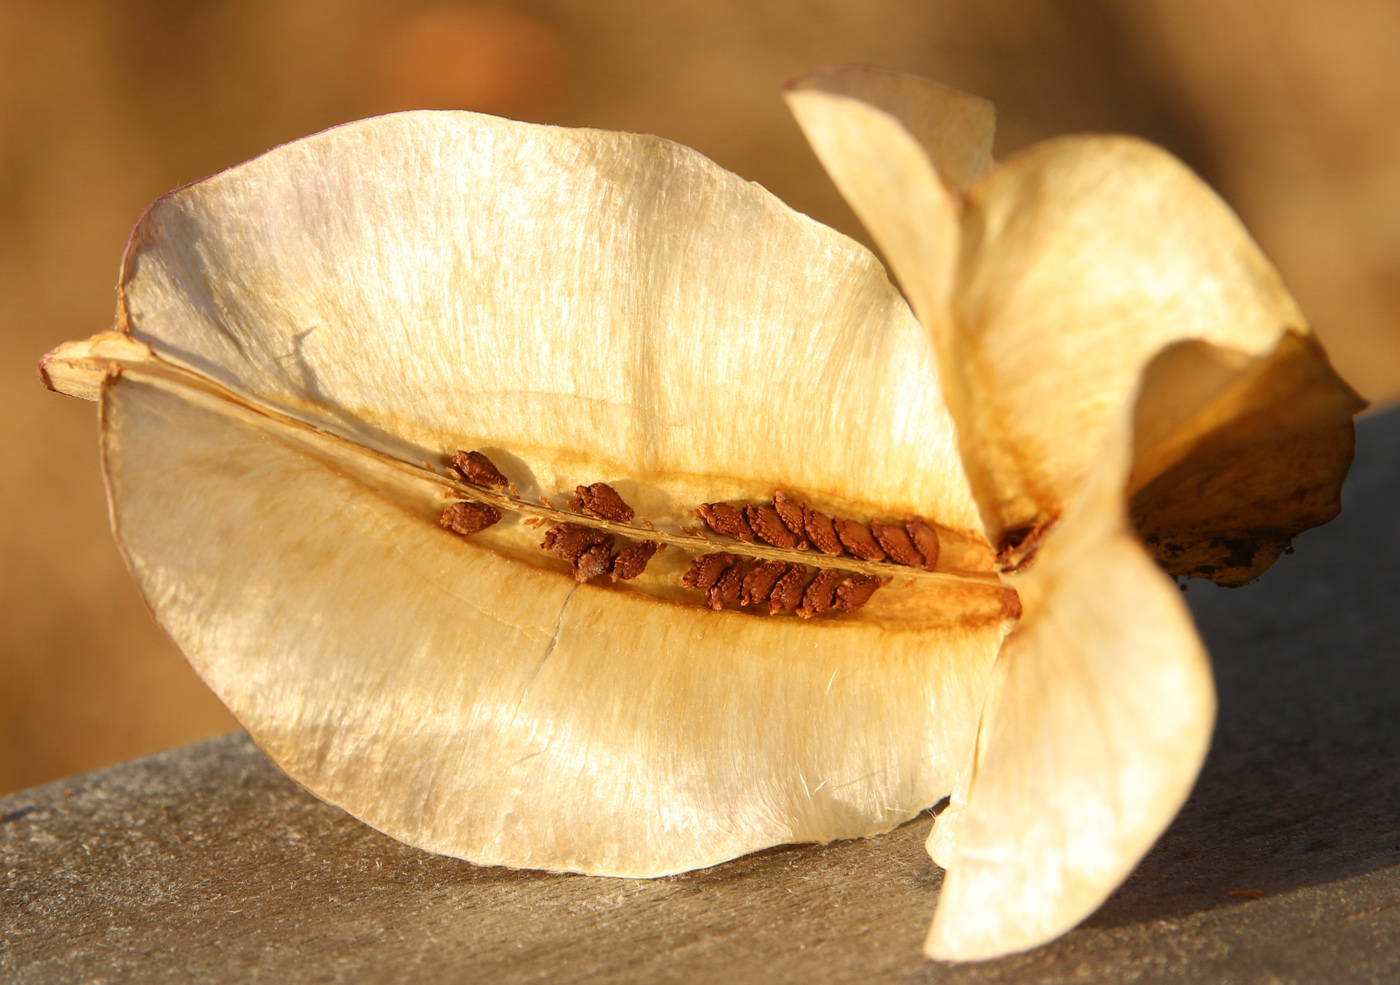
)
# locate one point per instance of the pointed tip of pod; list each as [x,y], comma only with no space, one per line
[78,369]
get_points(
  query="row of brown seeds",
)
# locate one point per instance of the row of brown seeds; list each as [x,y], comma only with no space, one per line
[796,526]
[726,579]
[589,550]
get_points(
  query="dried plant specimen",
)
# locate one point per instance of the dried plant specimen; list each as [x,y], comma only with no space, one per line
[1101,360]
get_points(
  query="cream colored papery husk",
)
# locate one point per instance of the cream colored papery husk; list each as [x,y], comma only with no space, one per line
[594,307]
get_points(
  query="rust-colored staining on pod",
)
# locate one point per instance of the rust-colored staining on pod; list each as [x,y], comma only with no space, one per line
[468,517]
[1018,546]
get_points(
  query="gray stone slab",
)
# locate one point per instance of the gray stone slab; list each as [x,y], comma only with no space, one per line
[205,864]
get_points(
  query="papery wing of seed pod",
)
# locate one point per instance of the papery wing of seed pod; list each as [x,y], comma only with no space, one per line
[1236,455]
[1098,719]
[1051,284]
[298,334]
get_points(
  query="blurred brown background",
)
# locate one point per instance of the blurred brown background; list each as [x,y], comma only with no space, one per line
[1290,108]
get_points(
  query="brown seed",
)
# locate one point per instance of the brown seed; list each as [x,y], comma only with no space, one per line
[758,583]
[479,470]
[820,593]
[855,591]
[925,539]
[569,540]
[769,527]
[632,560]
[896,543]
[858,540]
[602,500]
[787,593]
[593,562]
[705,570]
[725,520]
[726,590]
[469,517]
[791,515]
[820,531]
[1011,603]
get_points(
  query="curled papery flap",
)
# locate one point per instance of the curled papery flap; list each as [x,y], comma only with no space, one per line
[1049,284]
[1084,257]
[1235,455]
[862,124]
[954,129]
[1097,721]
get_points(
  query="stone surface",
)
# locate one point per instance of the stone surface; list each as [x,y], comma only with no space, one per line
[205,864]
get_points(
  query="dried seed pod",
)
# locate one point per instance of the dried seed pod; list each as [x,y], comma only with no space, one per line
[858,540]
[569,540]
[820,531]
[758,583]
[820,593]
[725,520]
[787,593]
[632,560]
[791,515]
[706,569]
[593,562]
[855,591]
[925,539]
[469,517]
[896,543]
[602,500]
[478,470]
[768,527]
[725,591]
